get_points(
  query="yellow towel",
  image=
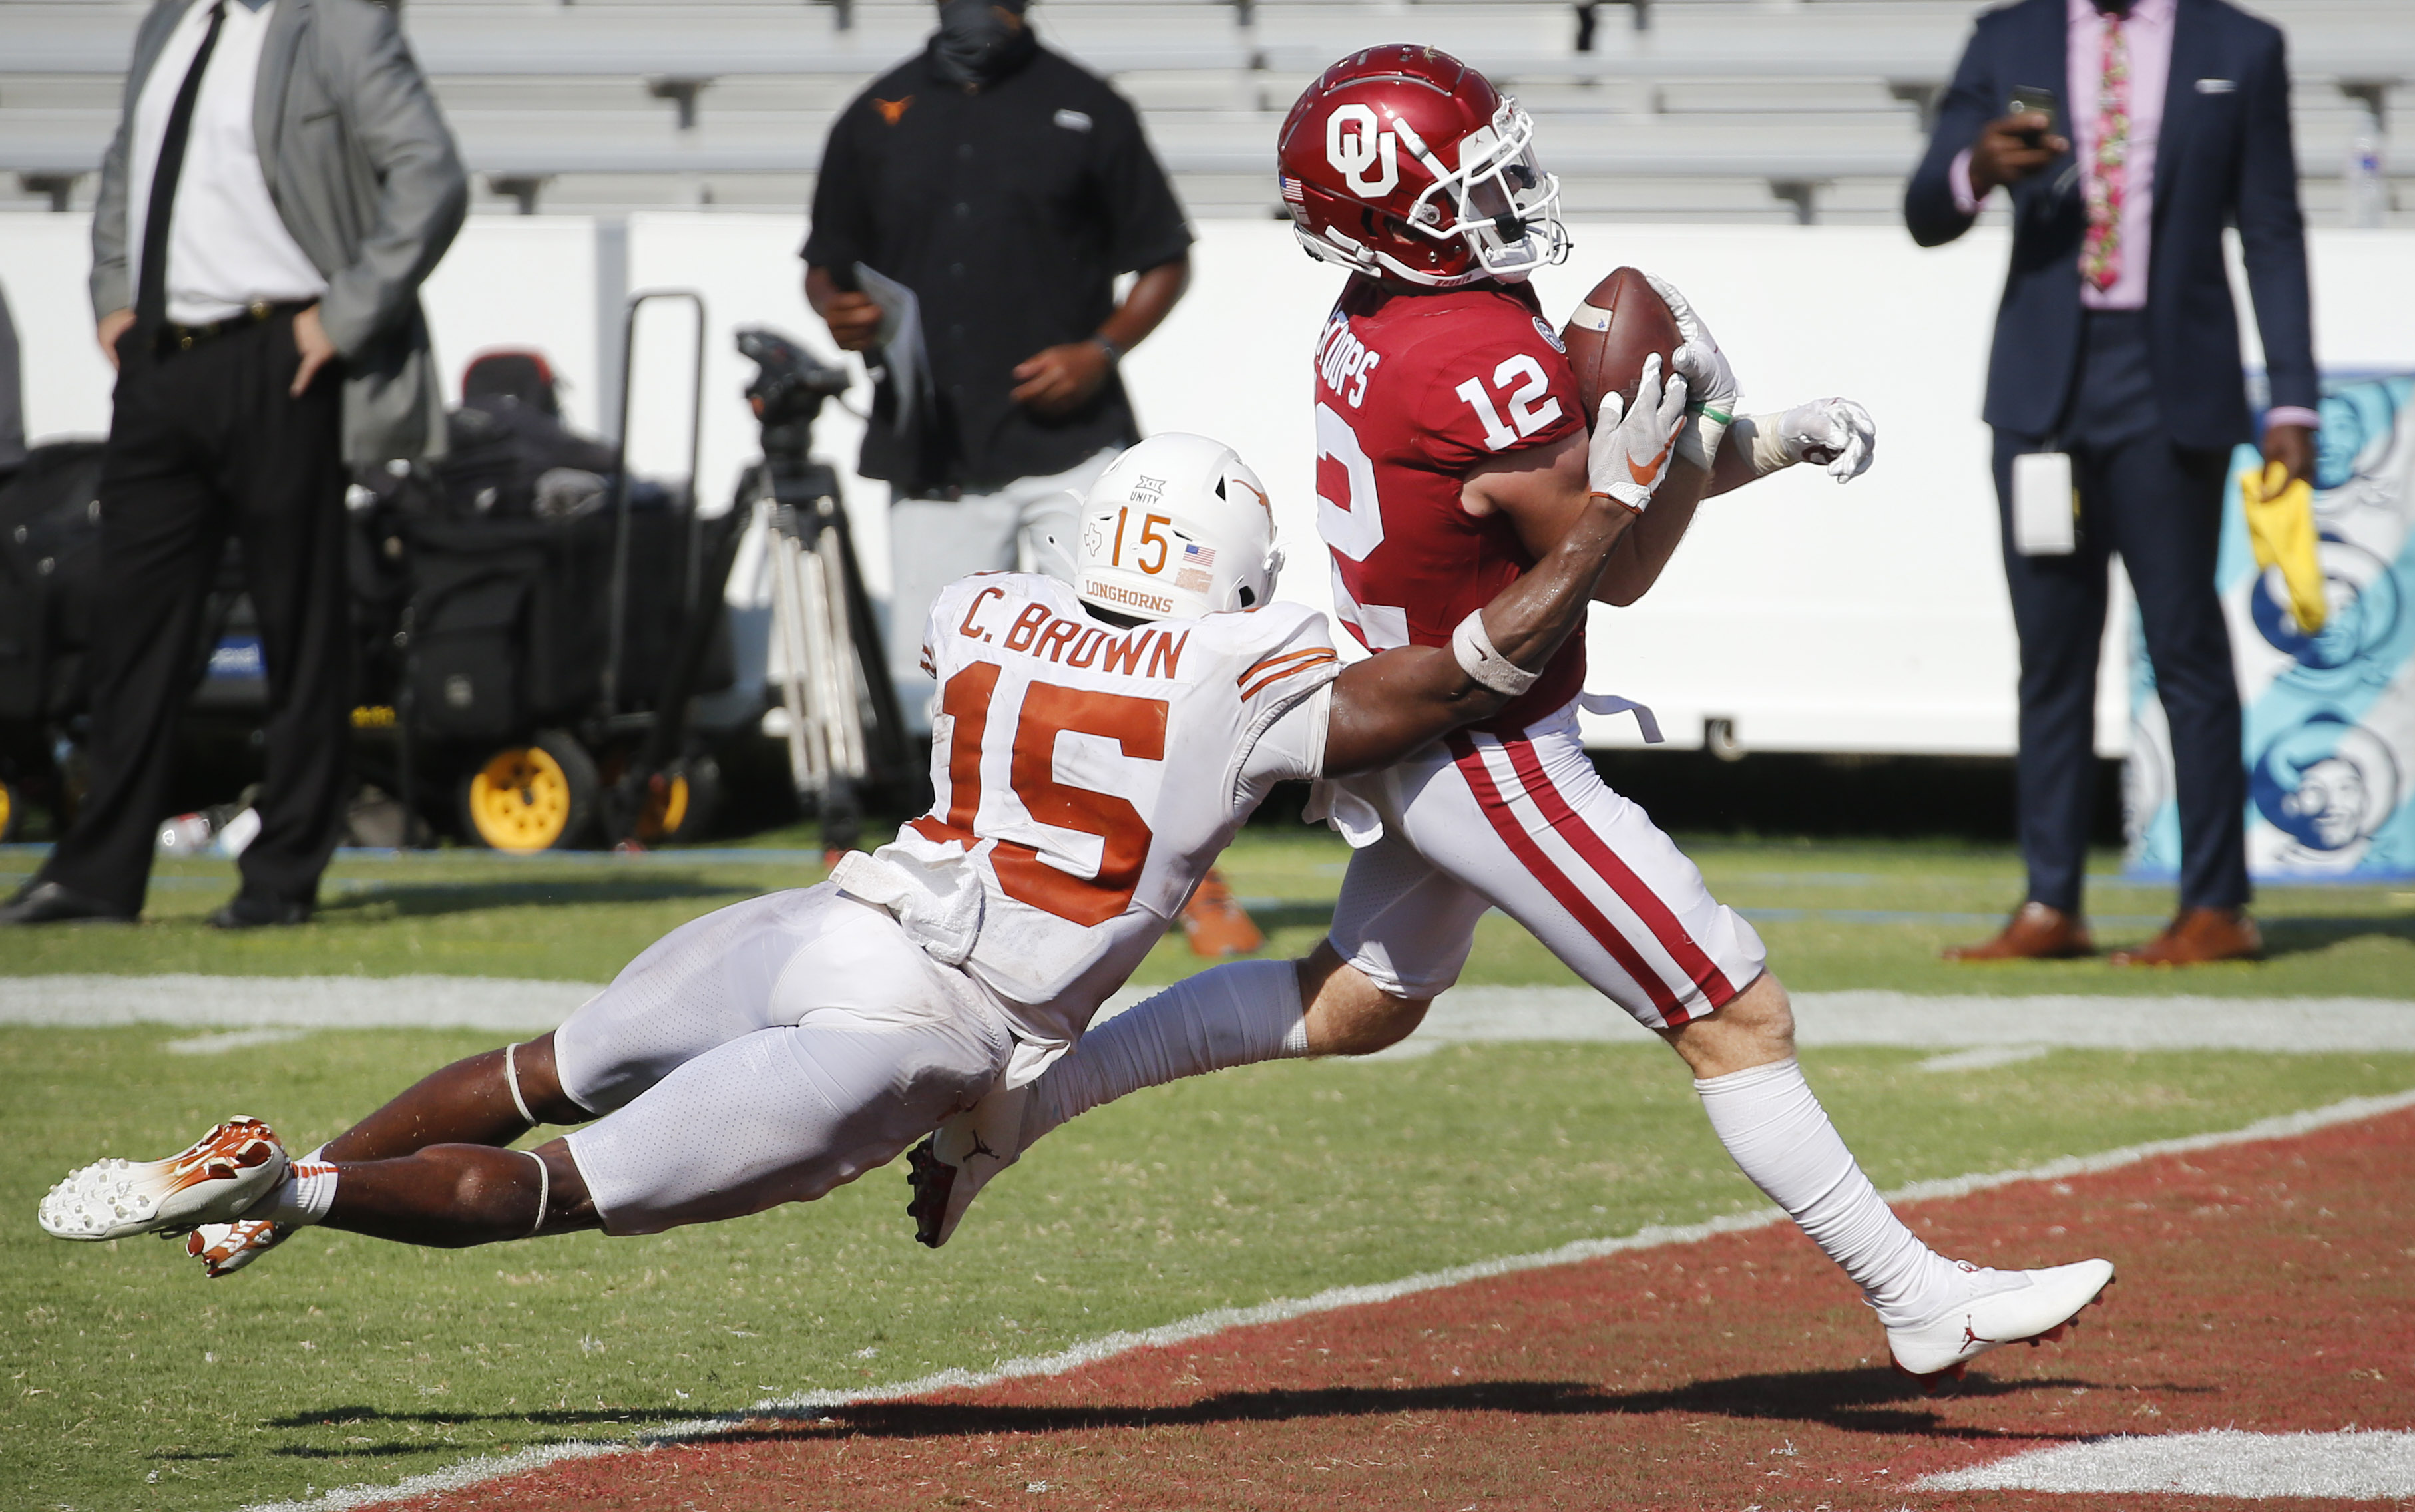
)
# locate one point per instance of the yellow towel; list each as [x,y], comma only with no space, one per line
[2281,528]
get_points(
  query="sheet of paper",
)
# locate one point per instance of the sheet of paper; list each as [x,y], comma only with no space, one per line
[900,336]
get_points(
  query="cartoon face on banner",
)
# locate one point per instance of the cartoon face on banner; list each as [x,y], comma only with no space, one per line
[2327,784]
[2366,608]
[2329,719]
[2358,419]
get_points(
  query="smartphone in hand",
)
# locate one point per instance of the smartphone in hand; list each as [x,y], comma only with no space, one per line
[2035,99]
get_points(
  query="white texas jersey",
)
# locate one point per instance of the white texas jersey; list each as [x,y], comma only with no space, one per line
[1090,774]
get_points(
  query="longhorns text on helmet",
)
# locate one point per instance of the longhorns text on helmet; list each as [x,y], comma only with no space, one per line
[1178,526]
[1485,209]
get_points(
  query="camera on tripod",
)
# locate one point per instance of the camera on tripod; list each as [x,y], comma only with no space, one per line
[790,386]
[842,728]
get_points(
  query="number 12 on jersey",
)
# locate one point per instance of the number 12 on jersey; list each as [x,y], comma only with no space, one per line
[1528,416]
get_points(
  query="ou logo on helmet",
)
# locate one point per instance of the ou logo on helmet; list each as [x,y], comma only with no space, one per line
[1354,144]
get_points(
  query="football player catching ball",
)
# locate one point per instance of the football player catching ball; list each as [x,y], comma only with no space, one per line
[1096,746]
[1452,454]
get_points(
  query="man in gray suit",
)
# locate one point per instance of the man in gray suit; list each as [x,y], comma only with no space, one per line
[279,185]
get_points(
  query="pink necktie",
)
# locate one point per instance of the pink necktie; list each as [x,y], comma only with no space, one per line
[2108,176]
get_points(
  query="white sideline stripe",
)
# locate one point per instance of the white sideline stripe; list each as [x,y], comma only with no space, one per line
[1963,1021]
[220,1044]
[2225,1462]
[1461,1016]
[291,1002]
[1979,1058]
[1092,1351]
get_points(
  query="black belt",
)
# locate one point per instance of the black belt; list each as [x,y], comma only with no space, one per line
[175,337]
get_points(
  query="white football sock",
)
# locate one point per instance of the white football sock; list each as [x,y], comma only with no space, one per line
[309,1191]
[1774,1127]
[1234,1016]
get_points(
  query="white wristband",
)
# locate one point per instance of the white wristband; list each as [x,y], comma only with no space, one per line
[1488,668]
[1700,442]
[1766,435]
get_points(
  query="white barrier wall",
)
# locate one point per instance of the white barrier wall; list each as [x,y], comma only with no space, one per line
[1868,618]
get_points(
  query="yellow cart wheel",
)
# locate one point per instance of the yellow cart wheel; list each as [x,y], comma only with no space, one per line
[666,808]
[540,796]
[680,803]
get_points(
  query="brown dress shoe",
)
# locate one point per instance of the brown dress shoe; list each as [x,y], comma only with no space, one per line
[2197,936]
[2036,932]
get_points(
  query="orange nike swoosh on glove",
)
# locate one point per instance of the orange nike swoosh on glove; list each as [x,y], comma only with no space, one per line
[1645,473]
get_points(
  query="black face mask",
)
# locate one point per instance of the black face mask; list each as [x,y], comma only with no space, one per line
[976,45]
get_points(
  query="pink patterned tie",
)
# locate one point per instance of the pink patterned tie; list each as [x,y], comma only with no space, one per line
[2108,176]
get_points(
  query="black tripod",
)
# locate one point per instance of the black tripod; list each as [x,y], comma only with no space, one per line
[844,728]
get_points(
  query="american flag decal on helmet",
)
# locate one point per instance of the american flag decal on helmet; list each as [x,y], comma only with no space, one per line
[1195,555]
[1291,189]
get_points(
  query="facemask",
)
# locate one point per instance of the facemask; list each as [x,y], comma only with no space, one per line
[976,44]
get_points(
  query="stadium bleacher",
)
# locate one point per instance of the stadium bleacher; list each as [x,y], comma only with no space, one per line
[1661,109]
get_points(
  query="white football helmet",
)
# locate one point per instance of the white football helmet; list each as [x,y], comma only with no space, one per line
[1177,527]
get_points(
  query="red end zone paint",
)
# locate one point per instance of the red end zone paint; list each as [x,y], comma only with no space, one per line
[2267,1286]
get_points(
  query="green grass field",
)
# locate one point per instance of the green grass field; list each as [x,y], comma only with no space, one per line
[134,1384]
[1833,915]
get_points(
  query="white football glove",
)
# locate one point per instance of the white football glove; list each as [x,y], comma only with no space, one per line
[1837,434]
[1719,399]
[1631,449]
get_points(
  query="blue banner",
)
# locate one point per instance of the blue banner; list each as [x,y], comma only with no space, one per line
[2330,718]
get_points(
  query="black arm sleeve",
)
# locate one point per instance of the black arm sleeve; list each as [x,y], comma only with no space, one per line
[1970,102]
[1145,220]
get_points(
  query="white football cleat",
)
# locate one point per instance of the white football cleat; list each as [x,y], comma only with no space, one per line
[232,1167]
[224,1248]
[1997,1308]
[950,1166]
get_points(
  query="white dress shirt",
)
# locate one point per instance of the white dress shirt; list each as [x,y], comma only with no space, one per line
[227,247]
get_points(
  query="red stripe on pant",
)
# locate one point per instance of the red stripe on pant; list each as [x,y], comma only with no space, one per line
[1691,959]
[1556,882]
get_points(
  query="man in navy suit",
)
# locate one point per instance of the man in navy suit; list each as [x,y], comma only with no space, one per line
[2117,344]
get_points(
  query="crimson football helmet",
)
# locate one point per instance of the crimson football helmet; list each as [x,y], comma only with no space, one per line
[1402,159]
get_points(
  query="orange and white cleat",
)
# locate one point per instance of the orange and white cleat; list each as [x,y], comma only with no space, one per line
[224,1248]
[1997,1308]
[1215,921]
[232,1167]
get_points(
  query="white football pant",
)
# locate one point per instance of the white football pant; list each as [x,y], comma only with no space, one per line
[765,1054]
[1525,824]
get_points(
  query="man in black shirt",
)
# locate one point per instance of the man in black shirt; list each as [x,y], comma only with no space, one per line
[1007,187]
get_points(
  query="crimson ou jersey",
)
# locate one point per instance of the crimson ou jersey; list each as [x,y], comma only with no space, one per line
[1413,391]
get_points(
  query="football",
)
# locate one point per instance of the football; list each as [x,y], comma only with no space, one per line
[1619,324]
